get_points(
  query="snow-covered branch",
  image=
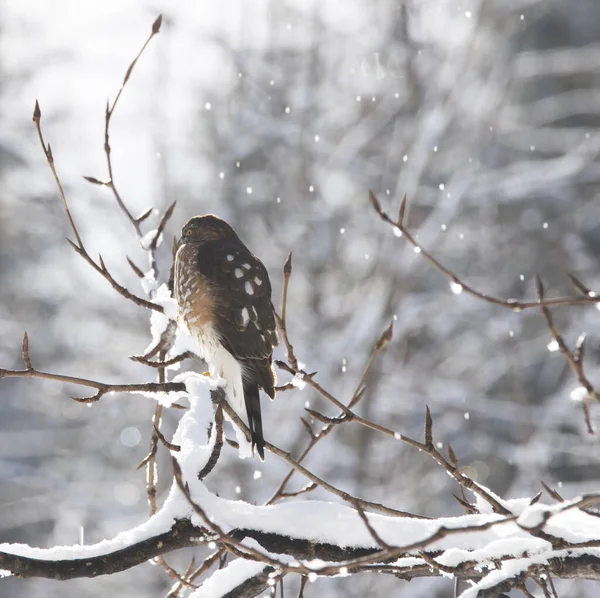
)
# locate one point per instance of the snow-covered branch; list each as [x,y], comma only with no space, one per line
[500,543]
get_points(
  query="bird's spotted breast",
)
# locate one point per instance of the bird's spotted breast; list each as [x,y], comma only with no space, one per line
[194,294]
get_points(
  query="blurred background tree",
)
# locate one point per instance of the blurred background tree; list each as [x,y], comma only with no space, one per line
[279,116]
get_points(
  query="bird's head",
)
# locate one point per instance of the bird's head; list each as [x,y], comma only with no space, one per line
[201,229]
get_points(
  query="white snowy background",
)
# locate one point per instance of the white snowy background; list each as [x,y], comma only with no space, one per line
[279,116]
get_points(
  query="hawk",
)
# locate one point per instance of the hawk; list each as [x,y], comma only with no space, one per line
[223,296]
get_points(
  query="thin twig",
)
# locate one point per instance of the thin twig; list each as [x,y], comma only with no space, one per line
[169,445]
[216,452]
[382,341]
[285,456]
[370,528]
[284,335]
[574,360]
[162,364]
[287,272]
[184,581]
[230,543]
[79,246]
[108,115]
[102,387]
[327,429]
[350,415]
[512,304]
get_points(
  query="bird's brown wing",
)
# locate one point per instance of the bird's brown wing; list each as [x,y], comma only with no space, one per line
[244,320]
[241,292]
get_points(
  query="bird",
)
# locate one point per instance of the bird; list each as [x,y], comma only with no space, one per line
[223,296]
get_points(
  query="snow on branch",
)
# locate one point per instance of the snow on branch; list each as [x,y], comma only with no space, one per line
[497,545]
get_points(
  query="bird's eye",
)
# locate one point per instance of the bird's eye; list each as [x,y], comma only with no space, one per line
[187,232]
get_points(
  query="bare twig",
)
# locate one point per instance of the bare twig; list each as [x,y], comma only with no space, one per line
[303,581]
[150,462]
[308,488]
[382,341]
[230,543]
[216,452]
[110,109]
[399,225]
[165,442]
[143,359]
[288,345]
[173,574]
[101,387]
[79,246]
[137,271]
[574,360]
[164,344]
[161,226]
[350,415]
[37,118]
[184,581]
[365,504]
[341,418]
[370,528]
[552,492]
[287,272]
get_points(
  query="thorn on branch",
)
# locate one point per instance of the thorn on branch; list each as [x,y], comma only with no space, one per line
[287,272]
[552,492]
[536,498]
[92,399]
[579,285]
[156,25]
[137,270]
[287,267]
[37,113]
[539,288]
[144,462]
[232,443]
[452,456]
[308,427]
[308,488]
[25,352]
[144,215]
[165,442]
[163,221]
[428,427]
[375,203]
[76,247]
[284,387]
[469,508]
[401,211]
[94,181]
[385,337]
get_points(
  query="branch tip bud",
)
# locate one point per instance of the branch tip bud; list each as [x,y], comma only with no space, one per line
[37,113]
[156,25]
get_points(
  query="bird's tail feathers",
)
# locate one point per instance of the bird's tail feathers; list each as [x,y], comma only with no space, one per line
[252,400]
